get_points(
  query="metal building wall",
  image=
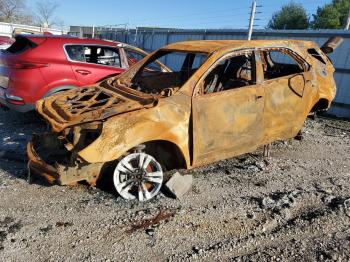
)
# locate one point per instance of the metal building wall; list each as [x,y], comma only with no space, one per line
[6,29]
[150,39]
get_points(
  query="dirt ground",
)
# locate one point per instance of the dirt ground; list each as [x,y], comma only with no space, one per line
[292,206]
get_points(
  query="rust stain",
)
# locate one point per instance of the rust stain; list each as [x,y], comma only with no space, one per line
[162,215]
[188,117]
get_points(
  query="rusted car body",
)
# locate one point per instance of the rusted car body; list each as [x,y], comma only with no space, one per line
[227,98]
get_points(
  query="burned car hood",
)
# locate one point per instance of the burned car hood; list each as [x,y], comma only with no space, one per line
[92,103]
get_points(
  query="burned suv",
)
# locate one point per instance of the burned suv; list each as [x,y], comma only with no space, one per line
[217,100]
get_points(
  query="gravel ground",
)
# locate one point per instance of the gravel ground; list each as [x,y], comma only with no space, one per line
[291,206]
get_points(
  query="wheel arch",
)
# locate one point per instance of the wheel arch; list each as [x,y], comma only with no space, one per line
[58,89]
[321,105]
[167,153]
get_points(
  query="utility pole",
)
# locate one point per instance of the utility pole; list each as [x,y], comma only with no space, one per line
[347,25]
[136,31]
[251,21]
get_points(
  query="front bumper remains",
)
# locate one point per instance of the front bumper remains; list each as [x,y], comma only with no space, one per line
[51,163]
[38,166]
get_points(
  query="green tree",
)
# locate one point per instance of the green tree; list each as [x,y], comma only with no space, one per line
[291,16]
[331,16]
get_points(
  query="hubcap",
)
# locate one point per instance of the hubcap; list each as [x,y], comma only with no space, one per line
[138,175]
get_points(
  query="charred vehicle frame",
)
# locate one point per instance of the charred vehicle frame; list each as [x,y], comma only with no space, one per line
[224,98]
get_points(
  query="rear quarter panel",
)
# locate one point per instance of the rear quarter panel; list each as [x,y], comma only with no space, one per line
[323,74]
[24,83]
[59,72]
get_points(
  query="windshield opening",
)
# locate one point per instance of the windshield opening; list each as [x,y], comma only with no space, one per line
[151,78]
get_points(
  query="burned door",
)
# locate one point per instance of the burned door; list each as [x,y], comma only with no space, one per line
[287,89]
[227,109]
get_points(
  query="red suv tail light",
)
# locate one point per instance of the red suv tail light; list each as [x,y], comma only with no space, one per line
[15,100]
[25,65]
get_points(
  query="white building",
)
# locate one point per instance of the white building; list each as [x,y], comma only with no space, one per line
[6,29]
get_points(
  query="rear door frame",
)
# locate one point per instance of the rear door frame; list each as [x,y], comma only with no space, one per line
[255,94]
[288,125]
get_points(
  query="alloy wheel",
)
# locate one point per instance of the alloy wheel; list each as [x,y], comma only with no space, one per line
[138,176]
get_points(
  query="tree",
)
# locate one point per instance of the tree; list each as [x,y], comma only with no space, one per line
[46,13]
[11,11]
[25,19]
[331,16]
[291,16]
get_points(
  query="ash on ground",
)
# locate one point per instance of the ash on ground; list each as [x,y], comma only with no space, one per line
[291,206]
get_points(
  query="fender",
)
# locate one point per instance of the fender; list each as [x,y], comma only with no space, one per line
[123,132]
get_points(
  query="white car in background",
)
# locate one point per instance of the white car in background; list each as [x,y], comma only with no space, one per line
[5,42]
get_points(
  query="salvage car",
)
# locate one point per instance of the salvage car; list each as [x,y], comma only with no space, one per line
[217,100]
[37,66]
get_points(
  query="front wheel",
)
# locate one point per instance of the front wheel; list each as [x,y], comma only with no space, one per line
[138,176]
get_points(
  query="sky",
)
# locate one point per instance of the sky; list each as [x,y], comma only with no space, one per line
[174,14]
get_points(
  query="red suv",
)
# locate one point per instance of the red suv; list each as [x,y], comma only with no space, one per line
[36,66]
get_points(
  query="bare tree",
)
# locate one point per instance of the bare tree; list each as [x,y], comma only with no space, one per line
[11,11]
[46,13]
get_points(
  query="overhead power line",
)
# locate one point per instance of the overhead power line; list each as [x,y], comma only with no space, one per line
[216,17]
[206,17]
[306,2]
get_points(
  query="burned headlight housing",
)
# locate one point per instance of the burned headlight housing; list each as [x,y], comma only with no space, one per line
[80,136]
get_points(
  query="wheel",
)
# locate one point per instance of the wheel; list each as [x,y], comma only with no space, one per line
[138,176]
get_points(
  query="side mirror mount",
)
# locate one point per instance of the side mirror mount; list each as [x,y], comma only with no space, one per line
[197,89]
[331,44]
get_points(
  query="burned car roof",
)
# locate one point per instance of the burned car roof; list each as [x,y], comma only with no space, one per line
[210,46]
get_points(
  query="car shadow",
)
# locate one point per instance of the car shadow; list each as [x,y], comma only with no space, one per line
[16,130]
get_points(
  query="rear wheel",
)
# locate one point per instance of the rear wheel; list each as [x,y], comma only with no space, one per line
[138,176]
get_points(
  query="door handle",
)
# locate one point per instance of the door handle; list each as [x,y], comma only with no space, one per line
[83,72]
[258,97]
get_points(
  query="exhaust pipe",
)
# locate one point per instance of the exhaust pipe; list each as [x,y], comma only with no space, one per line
[331,44]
